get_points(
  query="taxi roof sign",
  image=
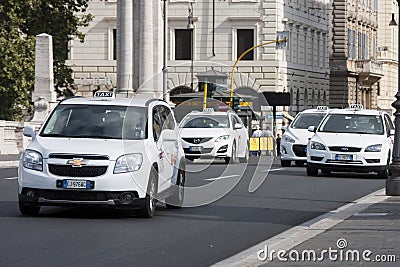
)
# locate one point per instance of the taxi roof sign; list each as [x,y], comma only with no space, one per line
[104,94]
[322,108]
[356,106]
[208,110]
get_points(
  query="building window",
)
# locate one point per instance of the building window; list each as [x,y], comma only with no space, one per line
[245,40]
[183,44]
[352,44]
[114,49]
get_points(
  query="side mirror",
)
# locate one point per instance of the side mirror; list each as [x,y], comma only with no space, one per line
[312,129]
[30,131]
[237,126]
[169,135]
[284,128]
[392,132]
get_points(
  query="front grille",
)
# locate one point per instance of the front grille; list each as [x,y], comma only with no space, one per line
[373,160]
[344,149]
[84,171]
[78,156]
[344,161]
[316,158]
[74,195]
[203,151]
[198,140]
[300,150]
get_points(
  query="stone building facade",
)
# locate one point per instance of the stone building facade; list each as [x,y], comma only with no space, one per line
[355,69]
[222,31]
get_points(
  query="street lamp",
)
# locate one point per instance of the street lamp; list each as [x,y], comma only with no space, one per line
[165,56]
[190,27]
[393,182]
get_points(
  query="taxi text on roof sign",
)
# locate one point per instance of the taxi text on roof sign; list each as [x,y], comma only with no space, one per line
[104,94]
[357,106]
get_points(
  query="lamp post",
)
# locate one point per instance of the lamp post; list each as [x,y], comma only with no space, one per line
[190,27]
[165,56]
[393,182]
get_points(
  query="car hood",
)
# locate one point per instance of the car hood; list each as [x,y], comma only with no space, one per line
[300,135]
[112,148]
[350,140]
[203,132]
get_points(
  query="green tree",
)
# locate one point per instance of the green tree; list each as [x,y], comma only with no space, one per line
[20,22]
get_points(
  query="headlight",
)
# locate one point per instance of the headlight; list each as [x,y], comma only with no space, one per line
[32,160]
[374,148]
[288,139]
[317,146]
[222,138]
[128,163]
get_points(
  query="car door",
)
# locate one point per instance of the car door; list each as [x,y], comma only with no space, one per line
[166,148]
[389,127]
[236,133]
[242,135]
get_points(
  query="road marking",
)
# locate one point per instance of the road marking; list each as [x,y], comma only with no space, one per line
[221,177]
[271,170]
[11,178]
[303,232]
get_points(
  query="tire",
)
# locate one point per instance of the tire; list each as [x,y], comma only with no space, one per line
[175,201]
[312,171]
[246,156]
[233,159]
[299,163]
[149,208]
[285,163]
[386,172]
[28,210]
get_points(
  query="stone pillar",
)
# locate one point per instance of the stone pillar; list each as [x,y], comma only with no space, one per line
[44,95]
[125,47]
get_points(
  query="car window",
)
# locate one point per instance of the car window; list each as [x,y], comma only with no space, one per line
[352,123]
[206,121]
[389,124]
[305,120]
[96,121]
[168,121]
[157,122]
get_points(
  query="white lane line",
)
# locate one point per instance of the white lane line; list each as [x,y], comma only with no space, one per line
[11,178]
[221,177]
[271,170]
[303,232]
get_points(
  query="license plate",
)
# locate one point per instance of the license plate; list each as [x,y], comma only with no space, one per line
[76,184]
[344,157]
[195,148]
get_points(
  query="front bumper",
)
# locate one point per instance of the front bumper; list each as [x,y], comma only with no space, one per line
[73,198]
[292,151]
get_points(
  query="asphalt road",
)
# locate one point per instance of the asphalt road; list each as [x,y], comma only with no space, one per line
[194,236]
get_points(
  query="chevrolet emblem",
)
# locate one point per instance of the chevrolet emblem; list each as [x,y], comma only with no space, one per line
[77,162]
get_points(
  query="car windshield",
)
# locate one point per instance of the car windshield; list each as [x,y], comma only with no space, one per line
[352,123]
[205,121]
[305,120]
[97,121]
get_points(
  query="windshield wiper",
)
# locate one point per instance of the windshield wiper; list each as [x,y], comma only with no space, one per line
[53,135]
[95,136]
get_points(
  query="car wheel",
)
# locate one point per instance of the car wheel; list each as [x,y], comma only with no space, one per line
[234,156]
[312,171]
[299,163]
[175,201]
[28,210]
[149,206]
[285,163]
[245,159]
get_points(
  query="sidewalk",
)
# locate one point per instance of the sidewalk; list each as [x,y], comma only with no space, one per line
[9,160]
[373,232]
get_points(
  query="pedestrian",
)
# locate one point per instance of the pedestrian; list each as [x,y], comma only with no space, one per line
[257,134]
[278,145]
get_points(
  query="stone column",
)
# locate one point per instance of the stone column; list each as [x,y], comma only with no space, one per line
[44,95]
[125,47]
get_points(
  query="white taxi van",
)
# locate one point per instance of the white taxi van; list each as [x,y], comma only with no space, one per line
[214,134]
[121,153]
[295,137]
[351,140]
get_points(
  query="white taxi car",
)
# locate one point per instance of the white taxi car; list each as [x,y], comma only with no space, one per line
[210,134]
[295,138]
[351,140]
[122,153]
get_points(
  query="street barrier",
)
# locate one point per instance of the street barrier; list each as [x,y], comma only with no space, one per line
[261,144]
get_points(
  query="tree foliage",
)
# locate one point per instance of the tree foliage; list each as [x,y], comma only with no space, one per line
[20,22]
